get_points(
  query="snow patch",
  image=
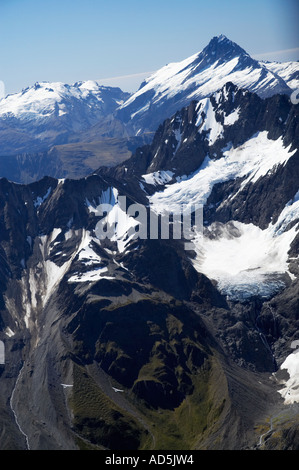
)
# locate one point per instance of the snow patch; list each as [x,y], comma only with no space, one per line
[142,187]
[88,256]
[2,353]
[250,261]
[247,260]
[290,392]
[160,177]
[91,276]
[109,196]
[206,120]
[124,227]
[254,159]
[178,138]
[232,117]
[252,264]
[9,332]
[39,200]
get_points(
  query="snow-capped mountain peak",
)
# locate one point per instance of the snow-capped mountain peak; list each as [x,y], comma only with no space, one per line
[43,98]
[177,84]
[221,48]
[47,113]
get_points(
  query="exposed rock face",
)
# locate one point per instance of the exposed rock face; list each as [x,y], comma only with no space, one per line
[129,343]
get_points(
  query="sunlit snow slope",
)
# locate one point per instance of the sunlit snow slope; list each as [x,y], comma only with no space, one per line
[196,77]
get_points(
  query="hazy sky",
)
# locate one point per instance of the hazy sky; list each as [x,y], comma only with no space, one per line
[72,40]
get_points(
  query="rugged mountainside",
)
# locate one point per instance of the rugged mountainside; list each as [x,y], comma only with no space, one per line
[133,342]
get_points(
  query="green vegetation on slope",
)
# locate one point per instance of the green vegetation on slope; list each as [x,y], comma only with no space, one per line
[160,354]
[98,419]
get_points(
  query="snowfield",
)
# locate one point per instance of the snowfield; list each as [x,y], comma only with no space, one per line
[247,260]
[252,263]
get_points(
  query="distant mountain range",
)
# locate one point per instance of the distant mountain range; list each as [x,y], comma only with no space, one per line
[87,116]
[48,113]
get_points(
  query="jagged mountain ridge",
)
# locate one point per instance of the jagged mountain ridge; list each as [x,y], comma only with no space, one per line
[288,71]
[143,315]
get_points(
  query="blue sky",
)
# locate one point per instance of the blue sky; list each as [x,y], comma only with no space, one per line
[71,40]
